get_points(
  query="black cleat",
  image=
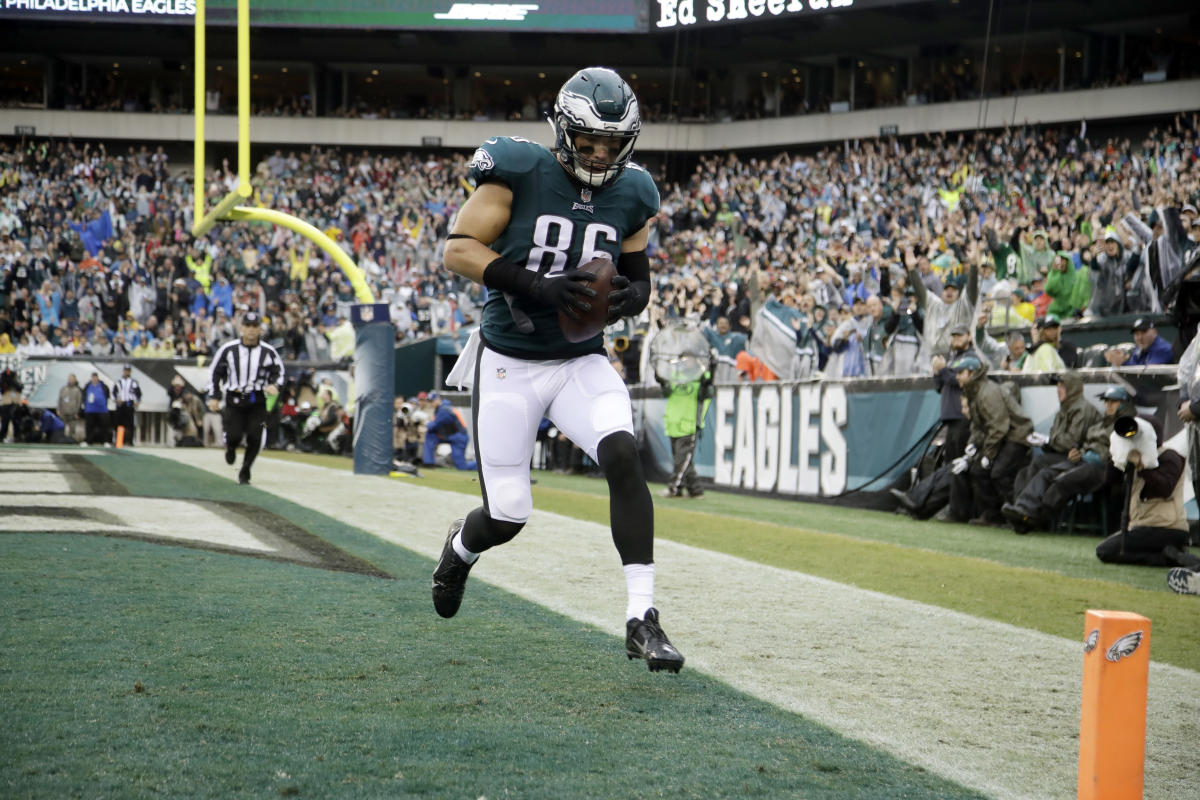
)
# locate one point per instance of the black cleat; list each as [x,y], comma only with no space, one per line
[230,456]
[644,638]
[244,476]
[450,576]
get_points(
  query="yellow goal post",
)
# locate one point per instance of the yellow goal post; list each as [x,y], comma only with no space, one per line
[229,209]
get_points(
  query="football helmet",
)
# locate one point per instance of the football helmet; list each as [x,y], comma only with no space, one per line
[595,102]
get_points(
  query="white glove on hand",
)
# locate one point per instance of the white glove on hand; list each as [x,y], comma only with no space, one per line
[985,462]
[970,451]
[959,465]
[1037,439]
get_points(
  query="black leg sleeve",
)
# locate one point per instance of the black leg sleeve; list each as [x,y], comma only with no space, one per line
[480,532]
[630,509]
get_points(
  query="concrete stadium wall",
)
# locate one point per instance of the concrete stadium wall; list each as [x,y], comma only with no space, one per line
[1093,104]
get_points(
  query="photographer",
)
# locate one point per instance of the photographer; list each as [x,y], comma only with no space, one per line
[1155,531]
[321,428]
[446,426]
[185,417]
[409,432]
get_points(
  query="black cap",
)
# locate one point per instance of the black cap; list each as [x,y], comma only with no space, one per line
[1049,321]
[1142,324]
[251,318]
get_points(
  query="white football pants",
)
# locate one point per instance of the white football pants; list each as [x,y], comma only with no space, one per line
[583,397]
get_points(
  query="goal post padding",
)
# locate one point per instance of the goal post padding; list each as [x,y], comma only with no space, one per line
[374,388]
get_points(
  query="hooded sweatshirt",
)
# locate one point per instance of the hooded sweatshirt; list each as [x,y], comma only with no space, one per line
[995,418]
[1074,417]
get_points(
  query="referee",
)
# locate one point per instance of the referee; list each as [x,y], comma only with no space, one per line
[246,371]
[127,393]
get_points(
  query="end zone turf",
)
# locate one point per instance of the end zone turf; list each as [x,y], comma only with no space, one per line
[992,716]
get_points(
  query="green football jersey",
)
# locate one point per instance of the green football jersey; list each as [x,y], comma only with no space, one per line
[556,224]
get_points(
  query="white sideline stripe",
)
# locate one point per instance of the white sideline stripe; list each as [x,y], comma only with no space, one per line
[992,706]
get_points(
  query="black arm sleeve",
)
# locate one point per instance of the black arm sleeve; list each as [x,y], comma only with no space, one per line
[505,276]
[636,267]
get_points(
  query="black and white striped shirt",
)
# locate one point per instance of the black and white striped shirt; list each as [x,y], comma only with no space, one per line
[244,370]
[127,390]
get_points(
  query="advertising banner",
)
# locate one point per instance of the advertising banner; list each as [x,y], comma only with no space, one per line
[825,439]
[545,15]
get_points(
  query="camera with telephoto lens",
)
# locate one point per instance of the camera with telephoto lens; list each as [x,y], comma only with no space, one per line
[177,417]
[404,415]
[1126,427]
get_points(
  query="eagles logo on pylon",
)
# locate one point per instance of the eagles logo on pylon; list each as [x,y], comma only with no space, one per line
[1089,644]
[1124,646]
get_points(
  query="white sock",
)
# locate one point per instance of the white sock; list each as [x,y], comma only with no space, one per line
[463,553]
[639,582]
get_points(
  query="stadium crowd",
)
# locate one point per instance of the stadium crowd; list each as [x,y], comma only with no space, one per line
[880,257]
[869,250]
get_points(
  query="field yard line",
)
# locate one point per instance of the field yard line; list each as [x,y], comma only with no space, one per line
[989,705]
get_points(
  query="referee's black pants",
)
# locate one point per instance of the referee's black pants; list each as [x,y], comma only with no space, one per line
[248,422]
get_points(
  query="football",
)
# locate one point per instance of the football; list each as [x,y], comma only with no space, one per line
[591,322]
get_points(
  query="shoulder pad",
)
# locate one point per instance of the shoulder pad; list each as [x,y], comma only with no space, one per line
[503,159]
[644,190]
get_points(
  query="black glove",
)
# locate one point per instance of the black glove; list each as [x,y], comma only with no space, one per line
[623,300]
[565,291]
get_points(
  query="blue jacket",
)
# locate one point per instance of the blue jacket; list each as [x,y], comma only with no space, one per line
[199,301]
[1159,352]
[446,422]
[95,398]
[51,423]
[221,296]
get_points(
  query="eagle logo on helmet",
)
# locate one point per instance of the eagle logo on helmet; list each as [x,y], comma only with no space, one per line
[595,102]
[1124,646]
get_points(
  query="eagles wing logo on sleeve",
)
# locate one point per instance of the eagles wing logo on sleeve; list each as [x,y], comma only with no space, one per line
[482,160]
[1089,644]
[1124,646]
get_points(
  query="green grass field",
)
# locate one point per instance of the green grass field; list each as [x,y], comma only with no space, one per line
[1041,581]
[131,668]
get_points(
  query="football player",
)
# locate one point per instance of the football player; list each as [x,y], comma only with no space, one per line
[535,216]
